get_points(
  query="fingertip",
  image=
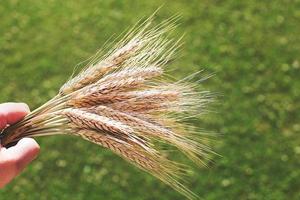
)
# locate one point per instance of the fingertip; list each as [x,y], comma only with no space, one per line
[12,112]
[30,146]
[21,108]
[25,151]
[25,107]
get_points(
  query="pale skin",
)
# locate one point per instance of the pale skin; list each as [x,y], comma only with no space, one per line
[14,159]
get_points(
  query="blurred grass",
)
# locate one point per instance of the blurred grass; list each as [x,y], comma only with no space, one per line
[253,46]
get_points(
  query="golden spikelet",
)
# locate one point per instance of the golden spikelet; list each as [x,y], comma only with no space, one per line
[120,101]
[152,162]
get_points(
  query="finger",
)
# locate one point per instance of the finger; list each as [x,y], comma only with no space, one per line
[11,113]
[25,151]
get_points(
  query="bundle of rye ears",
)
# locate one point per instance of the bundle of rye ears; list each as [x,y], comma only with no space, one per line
[121,102]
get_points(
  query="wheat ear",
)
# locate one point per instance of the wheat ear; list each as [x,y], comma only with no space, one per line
[122,102]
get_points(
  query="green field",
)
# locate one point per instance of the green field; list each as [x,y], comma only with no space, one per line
[252,46]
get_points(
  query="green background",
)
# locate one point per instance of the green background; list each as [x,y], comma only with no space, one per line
[252,46]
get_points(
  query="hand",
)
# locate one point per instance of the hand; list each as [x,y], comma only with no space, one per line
[14,159]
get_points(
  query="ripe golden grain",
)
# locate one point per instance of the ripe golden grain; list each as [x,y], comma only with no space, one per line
[118,102]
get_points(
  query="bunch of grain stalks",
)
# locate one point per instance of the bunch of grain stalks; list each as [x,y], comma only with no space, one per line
[119,102]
